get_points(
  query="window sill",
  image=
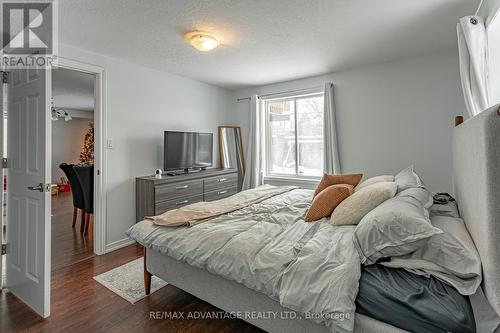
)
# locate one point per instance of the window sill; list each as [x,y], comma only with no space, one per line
[307,183]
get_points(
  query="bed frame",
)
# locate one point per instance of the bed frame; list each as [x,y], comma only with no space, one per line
[476,181]
[476,175]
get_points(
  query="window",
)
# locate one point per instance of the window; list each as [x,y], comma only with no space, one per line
[294,136]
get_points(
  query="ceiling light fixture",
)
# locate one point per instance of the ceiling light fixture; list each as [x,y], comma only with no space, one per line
[59,113]
[202,41]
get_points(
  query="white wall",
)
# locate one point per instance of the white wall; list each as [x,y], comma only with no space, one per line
[489,9]
[141,104]
[389,115]
[67,142]
[494,60]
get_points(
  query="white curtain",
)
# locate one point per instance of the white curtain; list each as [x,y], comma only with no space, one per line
[253,158]
[472,50]
[331,163]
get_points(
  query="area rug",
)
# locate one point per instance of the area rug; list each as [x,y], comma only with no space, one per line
[127,281]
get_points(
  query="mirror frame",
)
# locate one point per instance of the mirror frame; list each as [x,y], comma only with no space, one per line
[221,149]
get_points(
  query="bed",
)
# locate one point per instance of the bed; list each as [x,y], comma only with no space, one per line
[476,185]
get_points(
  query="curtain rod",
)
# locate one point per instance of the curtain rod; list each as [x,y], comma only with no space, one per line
[279,93]
[473,19]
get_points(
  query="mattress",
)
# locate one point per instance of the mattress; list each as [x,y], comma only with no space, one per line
[234,297]
[428,304]
[265,248]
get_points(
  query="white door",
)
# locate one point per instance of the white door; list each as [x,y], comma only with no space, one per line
[28,196]
[2,110]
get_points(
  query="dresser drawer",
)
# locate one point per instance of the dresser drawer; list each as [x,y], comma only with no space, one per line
[177,190]
[220,194]
[162,207]
[221,182]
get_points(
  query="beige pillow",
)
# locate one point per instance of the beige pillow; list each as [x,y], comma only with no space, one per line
[360,203]
[325,202]
[330,179]
[374,180]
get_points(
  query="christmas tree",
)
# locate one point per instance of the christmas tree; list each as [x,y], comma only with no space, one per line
[87,153]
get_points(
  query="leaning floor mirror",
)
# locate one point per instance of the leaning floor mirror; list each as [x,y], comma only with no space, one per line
[231,150]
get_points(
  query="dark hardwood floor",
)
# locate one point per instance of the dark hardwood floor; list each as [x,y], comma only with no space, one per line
[68,244]
[80,304]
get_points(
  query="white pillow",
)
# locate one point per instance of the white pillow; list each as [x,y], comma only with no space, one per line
[374,180]
[408,178]
[397,227]
[353,208]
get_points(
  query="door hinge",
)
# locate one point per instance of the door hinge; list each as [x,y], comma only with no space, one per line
[5,163]
[5,77]
[4,249]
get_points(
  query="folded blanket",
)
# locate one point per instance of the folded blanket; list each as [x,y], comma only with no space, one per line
[199,212]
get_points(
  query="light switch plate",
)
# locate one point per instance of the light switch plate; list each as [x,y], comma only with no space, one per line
[110,143]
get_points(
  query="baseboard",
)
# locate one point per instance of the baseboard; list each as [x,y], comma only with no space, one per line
[119,244]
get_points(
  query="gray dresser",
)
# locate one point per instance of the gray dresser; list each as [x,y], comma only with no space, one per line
[156,196]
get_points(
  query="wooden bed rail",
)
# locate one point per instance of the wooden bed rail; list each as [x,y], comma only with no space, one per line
[147,277]
[460,119]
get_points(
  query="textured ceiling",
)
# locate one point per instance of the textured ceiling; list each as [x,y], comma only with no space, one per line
[73,90]
[263,41]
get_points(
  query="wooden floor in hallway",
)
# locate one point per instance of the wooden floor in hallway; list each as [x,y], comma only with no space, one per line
[69,245]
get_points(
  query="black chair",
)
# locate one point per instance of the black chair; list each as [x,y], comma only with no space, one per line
[76,192]
[85,175]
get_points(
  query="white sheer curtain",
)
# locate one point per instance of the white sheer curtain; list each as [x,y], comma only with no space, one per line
[472,50]
[253,161]
[331,163]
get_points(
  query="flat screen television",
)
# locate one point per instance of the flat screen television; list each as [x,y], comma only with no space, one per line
[187,150]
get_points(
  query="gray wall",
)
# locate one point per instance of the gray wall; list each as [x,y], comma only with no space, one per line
[389,115]
[141,103]
[67,142]
[494,60]
[489,10]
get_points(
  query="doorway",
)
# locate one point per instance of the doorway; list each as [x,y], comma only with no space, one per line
[72,166]
[98,222]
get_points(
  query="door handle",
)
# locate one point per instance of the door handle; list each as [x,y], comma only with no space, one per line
[222,180]
[221,192]
[40,187]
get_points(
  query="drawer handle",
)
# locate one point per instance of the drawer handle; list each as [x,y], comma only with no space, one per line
[222,180]
[182,202]
[222,192]
[182,187]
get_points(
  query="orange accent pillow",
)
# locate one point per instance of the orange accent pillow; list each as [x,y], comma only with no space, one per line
[330,179]
[326,201]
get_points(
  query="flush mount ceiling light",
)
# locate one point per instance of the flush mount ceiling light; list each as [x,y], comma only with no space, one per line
[202,41]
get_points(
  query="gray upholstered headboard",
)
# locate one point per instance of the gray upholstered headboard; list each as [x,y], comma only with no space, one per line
[476,179]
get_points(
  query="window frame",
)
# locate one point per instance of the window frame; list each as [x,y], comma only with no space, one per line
[267,135]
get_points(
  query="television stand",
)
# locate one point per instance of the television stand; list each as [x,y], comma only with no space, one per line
[154,196]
